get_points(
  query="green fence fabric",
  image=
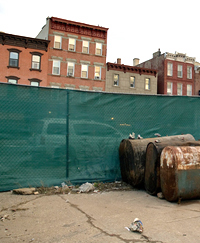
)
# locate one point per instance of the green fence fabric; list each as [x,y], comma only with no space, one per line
[49,136]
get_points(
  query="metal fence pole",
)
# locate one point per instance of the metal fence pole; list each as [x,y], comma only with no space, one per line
[67,136]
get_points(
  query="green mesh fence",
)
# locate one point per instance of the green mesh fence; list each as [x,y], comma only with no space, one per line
[48,136]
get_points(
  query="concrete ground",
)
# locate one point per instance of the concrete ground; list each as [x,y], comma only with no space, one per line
[96,217]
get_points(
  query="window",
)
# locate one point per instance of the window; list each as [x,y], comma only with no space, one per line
[180,71]
[189,72]
[169,69]
[70,69]
[84,71]
[179,89]
[97,74]
[72,44]
[98,49]
[14,58]
[12,79]
[56,67]
[116,79]
[85,47]
[57,42]
[35,82]
[36,62]
[132,82]
[147,83]
[169,88]
[189,89]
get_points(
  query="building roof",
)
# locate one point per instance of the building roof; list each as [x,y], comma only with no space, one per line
[131,69]
[69,22]
[22,41]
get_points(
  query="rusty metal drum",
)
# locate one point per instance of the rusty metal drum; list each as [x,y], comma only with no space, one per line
[152,165]
[132,160]
[132,155]
[180,172]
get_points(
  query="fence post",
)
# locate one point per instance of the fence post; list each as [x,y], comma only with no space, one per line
[67,136]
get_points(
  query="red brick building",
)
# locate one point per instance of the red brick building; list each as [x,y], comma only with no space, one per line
[77,54]
[175,72]
[23,60]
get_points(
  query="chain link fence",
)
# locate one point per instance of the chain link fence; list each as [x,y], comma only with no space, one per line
[48,136]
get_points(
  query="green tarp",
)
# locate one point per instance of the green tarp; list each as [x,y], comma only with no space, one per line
[49,136]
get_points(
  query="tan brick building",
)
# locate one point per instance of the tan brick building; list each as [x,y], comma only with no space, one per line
[77,54]
[122,78]
[23,60]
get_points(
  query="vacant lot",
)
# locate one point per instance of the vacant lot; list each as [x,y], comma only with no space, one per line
[96,217]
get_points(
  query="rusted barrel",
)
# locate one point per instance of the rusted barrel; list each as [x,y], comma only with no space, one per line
[180,172]
[152,166]
[132,155]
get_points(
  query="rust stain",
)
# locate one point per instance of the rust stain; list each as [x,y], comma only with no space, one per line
[186,157]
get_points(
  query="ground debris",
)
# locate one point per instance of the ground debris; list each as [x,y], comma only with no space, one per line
[24,191]
[6,216]
[136,226]
[67,188]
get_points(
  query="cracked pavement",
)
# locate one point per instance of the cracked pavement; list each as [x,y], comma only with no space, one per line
[96,217]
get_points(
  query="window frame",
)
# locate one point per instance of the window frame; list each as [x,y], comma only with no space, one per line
[12,78]
[170,69]
[189,94]
[170,88]
[116,81]
[180,71]
[54,66]
[82,66]
[71,44]
[13,50]
[98,43]
[40,57]
[68,73]
[97,77]
[85,46]
[35,80]
[147,86]
[60,43]
[189,72]
[181,85]
[132,82]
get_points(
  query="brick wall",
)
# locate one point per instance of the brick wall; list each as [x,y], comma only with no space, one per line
[124,82]
[79,58]
[25,59]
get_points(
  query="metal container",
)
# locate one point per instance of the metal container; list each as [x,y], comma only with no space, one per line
[152,166]
[132,155]
[180,172]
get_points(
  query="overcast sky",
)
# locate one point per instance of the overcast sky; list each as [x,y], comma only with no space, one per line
[137,28]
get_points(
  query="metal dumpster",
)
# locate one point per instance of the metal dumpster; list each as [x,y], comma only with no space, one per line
[180,172]
[132,155]
[152,166]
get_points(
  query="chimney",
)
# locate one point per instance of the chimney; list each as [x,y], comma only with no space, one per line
[157,54]
[136,61]
[118,60]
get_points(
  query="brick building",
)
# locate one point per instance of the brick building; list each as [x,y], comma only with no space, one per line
[175,72]
[77,54]
[122,78]
[23,60]
[197,78]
